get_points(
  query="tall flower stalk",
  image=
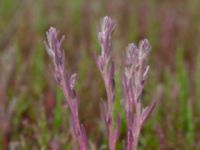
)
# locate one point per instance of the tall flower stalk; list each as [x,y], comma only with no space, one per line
[67,84]
[135,74]
[106,68]
[134,77]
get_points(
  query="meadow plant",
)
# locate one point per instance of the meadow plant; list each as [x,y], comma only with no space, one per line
[67,84]
[135,74]
[106,68]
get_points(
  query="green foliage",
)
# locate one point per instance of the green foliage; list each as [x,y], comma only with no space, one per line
[118,109]
[37,70]
[44,136]
[147,138]
[1,141]
[6,7]
[197,83]
[22,107]
[185,106]
[58,111]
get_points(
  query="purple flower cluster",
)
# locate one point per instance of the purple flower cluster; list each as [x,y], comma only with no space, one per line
[67,83]
[106,68]
[135,74]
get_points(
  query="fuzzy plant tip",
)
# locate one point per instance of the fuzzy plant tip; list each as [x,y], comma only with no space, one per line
[105,37]
[135,73]
[67,84]
[53,42]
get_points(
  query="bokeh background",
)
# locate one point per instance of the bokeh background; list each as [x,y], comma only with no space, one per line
[33,113]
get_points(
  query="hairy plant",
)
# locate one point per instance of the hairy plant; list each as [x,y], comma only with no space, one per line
[67,84]
[135,74]
[106,68]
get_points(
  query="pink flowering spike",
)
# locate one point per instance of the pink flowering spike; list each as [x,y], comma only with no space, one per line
[106,68]
[53,46]
[135,74]
[105,37]
[145,48]
[131,54]
[108,25]
[53,43]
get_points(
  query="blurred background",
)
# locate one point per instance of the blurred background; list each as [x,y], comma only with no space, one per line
[33,114]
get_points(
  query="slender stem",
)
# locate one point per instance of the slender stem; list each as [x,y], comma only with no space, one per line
[109,94]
